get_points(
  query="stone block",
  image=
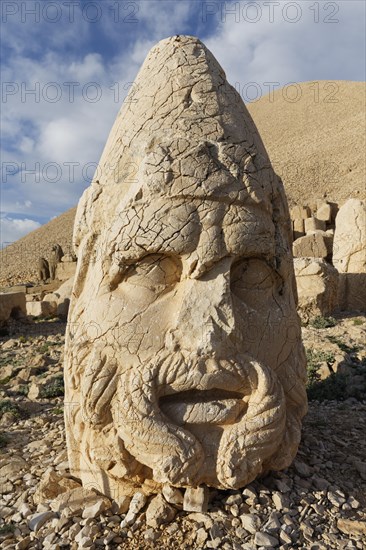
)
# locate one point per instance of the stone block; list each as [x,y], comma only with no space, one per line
[41,309]
[298,228]
[317,286]
[73,501]
[300,212]
[324,212]
[44,288]
[159,512]
[313,224]
[349,254]
[333,209]
[196,499]
[65,270]
[61,297]
[14,288]
[12,304]
[51,485]
[314,245]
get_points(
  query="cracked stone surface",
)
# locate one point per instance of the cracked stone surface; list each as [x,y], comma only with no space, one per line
[183,362]
[349,254]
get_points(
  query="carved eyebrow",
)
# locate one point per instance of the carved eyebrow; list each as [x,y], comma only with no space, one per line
[244,245]
[127,263]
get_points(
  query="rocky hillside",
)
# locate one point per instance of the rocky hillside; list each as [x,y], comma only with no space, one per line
[18,261]
[316,144]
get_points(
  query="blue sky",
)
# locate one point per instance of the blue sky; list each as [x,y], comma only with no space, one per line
[67,67]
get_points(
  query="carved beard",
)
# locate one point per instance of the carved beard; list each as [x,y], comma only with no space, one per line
[195,420]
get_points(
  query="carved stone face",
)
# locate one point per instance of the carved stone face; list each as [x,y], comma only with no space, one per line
[184,363]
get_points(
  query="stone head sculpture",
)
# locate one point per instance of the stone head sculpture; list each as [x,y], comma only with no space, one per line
[184,363]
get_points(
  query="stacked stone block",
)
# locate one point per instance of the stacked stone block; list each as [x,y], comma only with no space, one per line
[327,242]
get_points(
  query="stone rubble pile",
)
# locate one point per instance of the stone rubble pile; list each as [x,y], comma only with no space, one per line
[36,301]
[329,252]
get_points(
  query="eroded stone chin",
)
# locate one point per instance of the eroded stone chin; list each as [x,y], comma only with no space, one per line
[201,425]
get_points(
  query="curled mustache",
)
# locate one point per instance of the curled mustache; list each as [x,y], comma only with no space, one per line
[175,455]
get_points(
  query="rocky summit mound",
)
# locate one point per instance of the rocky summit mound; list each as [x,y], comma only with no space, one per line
[18,261]
[314,133]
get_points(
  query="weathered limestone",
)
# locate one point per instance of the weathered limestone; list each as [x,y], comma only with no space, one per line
[317,287]
[159,512]
[184,277]
[300,212]
[55,259]
[61,298]
[52,485]
[313,224]
[72,502]
[324,212]
[65,270]
[196,499]
[298,228]
[41,309]
[12,304]
[349,254]
[315,245]
[43,269]
[316,217]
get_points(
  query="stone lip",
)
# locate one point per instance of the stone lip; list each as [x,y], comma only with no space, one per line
[239,374]
[203,407]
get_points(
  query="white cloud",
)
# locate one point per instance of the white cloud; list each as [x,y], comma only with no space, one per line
[26,145]
[89,69]
[13,229]
[274,49]
[26,204]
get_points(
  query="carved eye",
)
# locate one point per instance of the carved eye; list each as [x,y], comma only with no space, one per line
[253,280]
[154,272]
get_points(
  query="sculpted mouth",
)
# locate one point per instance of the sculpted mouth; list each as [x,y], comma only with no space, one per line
[172,415]
[215,406]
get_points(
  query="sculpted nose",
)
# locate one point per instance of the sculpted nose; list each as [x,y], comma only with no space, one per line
[206,319]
